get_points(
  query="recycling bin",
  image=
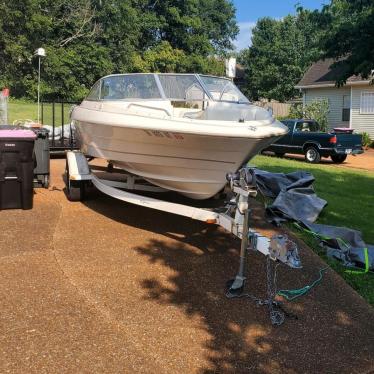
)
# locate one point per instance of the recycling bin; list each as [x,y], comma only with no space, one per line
[17,165]
[41,150]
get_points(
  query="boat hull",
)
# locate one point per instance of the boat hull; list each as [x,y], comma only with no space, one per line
[192,164]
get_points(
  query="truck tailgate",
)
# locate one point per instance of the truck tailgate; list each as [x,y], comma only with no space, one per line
[351,141]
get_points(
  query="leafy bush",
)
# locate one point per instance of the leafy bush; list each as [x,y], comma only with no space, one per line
[296,111]
[317,110]
[366,140]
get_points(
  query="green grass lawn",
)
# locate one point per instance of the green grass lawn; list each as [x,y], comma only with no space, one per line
[350,197]
[23,110]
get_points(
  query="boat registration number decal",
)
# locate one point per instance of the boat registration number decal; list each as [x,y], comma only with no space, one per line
[164,134]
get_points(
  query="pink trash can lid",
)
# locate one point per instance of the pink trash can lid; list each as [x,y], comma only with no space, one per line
[343,129]
[17,133]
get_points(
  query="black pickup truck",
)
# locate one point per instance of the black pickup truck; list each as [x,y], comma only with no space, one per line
[304,137]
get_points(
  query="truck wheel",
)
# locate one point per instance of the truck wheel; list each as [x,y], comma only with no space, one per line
[338,159]
[312,155]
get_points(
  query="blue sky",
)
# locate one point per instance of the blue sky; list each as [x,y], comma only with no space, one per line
[248,11]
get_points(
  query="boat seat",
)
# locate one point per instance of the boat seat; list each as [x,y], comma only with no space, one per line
[187,113]
[194,115]
[221,111]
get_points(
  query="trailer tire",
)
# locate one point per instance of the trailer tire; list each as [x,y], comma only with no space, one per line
[46,181]
[76,193]
[75,190]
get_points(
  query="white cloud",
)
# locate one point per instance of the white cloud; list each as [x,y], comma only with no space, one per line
[243,40]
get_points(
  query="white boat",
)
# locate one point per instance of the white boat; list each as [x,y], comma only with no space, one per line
[182,132]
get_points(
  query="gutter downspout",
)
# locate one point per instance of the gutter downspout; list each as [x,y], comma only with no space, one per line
[350,110]
[304,98]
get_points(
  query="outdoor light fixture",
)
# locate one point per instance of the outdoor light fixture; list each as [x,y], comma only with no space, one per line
[40,52]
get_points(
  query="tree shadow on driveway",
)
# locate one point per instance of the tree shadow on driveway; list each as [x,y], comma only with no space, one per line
[239,337]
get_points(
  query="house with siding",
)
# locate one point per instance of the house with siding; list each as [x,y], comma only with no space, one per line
[350,106]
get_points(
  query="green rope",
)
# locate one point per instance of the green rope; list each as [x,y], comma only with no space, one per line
[366,255]
[294,294]
[320,235]
[340,240]
[367,265]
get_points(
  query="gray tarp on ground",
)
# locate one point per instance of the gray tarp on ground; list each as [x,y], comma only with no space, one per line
[295,199]
[294,195]
[271,184]
[298,204]
[350,246]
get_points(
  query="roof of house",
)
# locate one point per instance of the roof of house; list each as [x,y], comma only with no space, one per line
[320,74]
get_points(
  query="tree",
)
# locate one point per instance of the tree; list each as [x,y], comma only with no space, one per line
[348,36]
[281,51]
[67,29]
[164,58]
[86,39]
[200,27]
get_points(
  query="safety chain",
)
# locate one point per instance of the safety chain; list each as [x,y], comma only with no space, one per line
[276,312]
[277,316]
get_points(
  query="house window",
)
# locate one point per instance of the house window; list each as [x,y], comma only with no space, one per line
[346,108]
[367,103]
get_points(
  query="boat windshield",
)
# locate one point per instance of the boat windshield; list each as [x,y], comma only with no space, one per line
[190,88]
[182,87]
[133,86]
[223,89]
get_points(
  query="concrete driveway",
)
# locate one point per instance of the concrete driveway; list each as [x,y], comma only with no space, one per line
[106,287]
[364,161]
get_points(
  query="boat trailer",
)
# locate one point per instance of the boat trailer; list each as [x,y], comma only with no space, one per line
[233,216]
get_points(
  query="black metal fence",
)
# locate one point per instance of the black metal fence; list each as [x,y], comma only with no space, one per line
[55,115]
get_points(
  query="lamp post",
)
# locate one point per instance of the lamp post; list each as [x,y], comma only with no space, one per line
[40,52]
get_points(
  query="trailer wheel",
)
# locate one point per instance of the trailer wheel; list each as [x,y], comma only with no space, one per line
[312,155]
[338,159]
[75,189]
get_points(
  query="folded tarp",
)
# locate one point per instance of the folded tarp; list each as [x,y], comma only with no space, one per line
[294,195]
[297,204]
[271,184]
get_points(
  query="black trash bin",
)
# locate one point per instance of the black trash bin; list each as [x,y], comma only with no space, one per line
[16,168]
[41,149]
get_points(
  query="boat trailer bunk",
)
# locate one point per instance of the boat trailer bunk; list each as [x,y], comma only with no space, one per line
[234,218]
